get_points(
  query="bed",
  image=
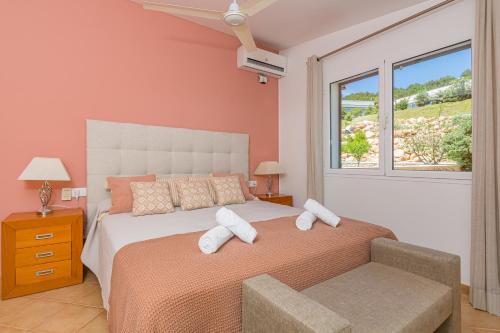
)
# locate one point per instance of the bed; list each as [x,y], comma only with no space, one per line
[152,274]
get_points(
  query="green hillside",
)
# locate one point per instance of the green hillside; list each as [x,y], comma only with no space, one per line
[428,111]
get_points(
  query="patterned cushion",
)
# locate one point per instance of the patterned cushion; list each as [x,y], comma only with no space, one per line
[227,190]
[243,183]
[194,194]
[209,184]
[121,194]
[151,198]
[172,181]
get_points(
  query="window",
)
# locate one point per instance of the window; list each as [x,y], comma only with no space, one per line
[432,118]
[354,106]
[410,118]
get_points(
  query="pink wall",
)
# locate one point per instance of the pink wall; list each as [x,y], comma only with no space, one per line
[62,62]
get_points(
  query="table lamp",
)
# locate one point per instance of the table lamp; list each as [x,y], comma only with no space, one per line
[45,168]
[269,168]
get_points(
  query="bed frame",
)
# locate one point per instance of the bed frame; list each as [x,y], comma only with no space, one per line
[122,149]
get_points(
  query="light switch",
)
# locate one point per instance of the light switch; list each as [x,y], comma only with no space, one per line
[79,192]
[252,183]
[66,194]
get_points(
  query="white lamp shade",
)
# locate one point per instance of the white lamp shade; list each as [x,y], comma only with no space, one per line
[266,168]
[45,168]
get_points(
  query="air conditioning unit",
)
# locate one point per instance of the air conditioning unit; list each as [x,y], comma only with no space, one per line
[262,61]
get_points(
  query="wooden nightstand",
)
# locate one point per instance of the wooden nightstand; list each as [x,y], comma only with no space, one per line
[41,253]
[281,199]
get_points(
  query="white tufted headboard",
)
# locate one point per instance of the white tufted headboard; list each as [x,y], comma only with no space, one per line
[115,149]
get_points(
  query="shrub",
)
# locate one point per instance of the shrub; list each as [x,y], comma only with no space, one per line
[348,117]
[425,140]
[438,98]
[460,90]
[402,105]
[458,143]
[422,98]
[357,145]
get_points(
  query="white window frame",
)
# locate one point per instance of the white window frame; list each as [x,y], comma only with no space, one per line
[385,124]
[327,126]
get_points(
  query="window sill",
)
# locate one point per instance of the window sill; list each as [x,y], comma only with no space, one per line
[467,180]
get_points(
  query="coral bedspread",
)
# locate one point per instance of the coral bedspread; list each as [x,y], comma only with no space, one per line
[168,285]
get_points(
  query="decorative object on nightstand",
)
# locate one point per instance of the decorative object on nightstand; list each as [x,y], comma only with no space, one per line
[45,169]
[269,169]
[41,253]
[281,199]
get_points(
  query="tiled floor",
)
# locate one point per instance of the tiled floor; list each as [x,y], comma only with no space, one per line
[71,309]
[79,309]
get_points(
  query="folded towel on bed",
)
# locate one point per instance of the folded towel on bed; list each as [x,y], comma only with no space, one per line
[321,212]
[238,226]
[214,238]
[305,220]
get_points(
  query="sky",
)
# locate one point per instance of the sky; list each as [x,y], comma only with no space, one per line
[450,64]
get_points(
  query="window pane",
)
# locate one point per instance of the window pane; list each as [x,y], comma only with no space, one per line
[432,118]
[355,125]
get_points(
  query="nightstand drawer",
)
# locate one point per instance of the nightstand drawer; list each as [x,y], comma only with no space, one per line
[43,236]
[43,272]
[43,254]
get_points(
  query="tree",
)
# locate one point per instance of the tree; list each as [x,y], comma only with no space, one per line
[422,98]
[357,145]
[458,143]
[467,74]
[361,96]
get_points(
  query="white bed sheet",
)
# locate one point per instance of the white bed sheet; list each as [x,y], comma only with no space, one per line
[109,234]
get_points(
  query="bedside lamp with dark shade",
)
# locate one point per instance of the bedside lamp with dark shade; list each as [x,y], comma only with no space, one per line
[269,169]
[45,169]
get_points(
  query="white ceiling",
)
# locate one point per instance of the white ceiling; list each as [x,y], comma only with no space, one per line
[290,22]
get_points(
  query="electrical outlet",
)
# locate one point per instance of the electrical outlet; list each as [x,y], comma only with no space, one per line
[252,183]
[79,192]
[66,194]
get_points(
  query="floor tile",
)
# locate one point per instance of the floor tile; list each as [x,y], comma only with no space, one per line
[4,329]
[31,314]
[97,325]
[90,277]
[11,306]
[69,319]
[93,299]
[71,294]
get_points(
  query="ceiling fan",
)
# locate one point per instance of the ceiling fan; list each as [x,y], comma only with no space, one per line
[235,16]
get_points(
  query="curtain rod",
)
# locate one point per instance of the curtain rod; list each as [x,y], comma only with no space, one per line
[389,27]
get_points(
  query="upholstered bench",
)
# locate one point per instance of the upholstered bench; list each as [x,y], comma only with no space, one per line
[405,288]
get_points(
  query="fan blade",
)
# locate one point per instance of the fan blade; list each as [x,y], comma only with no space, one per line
[186,11]
[252,7]
[245,36]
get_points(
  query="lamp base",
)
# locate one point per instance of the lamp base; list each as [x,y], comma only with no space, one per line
[44,211]
[270,186]
[45,193]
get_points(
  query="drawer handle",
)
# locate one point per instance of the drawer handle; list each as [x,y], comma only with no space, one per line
[40,255]
[44,236]
[45,272]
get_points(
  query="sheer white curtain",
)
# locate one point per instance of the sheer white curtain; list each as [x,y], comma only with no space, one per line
[314,129]
[485,246]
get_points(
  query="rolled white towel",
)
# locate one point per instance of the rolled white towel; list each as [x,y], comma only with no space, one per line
[214,238]
[238,226]
[305,220]
[321,212]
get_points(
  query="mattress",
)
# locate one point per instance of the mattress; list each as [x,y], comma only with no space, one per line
[107,235]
